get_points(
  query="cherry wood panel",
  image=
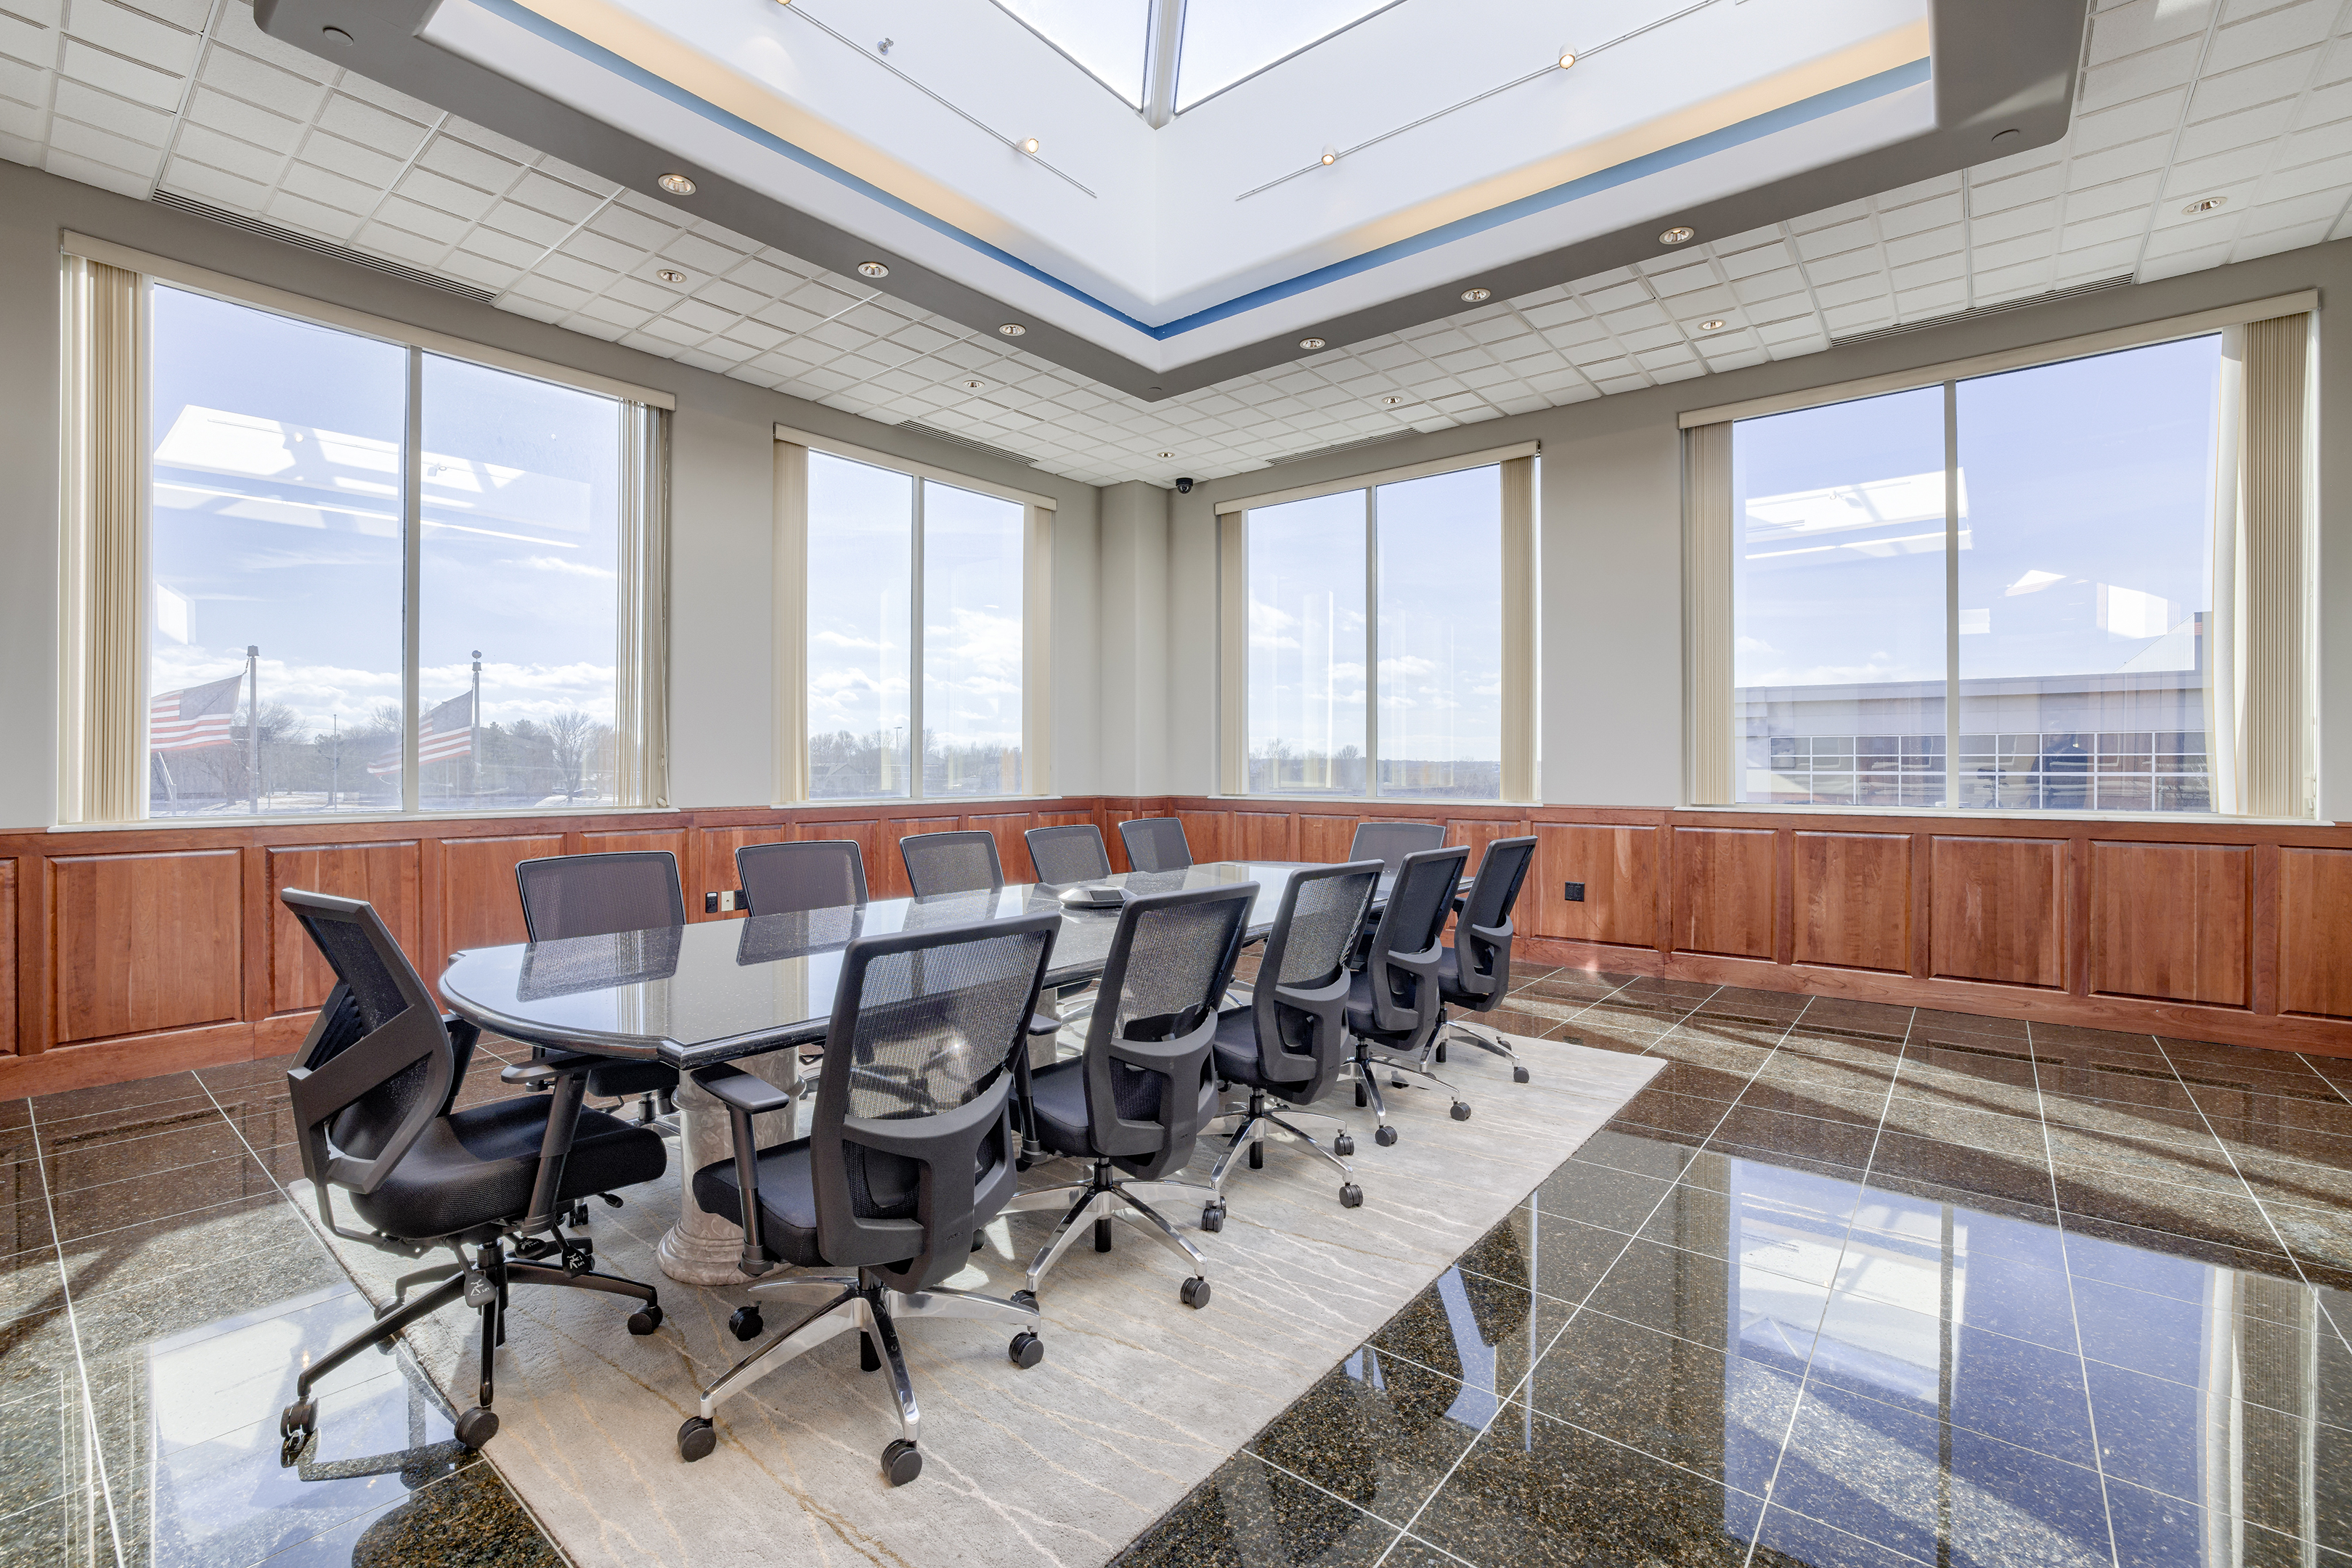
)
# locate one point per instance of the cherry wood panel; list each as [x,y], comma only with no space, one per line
[145,942]
[2173,921]
[1261,836]
[479,906]
[672,840]
[1996,913]
[1853,900]
[384,875]
[710,866]
[1324,839]
[2314,949]
[8,958]
[1012,848]
[1206,833]
[1619,869]
[1724,891]
[1479,832]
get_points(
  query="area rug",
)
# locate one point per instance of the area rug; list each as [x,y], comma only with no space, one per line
[1137,1399]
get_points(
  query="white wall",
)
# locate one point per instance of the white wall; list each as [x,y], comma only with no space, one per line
[1612,605]
[722,489]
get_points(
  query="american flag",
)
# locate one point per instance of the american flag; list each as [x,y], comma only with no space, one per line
[194,718]
[445,732]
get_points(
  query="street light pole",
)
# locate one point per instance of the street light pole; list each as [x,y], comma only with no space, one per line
[253,725]
[474,738]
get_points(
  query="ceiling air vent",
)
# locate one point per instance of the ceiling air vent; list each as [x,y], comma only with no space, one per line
[179,203]
[1974,312]
[967,442]
[1356,446]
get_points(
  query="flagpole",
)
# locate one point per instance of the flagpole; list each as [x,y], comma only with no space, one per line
[474,728]
[253,724]
[335,762]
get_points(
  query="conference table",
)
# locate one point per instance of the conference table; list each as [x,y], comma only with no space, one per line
[752,991]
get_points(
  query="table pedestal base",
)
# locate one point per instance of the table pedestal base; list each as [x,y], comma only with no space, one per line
[703,1249]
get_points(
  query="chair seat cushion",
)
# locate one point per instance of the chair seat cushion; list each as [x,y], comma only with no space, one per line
[476,1166]
[1237,1054]
[1059,1093]
[1359,1004]
[787,1201]
[624,1080]
[1450,990]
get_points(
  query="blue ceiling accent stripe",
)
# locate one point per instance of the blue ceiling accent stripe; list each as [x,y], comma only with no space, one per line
[1835,101]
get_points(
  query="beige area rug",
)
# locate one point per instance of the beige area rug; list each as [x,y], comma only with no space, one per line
[1137,1399]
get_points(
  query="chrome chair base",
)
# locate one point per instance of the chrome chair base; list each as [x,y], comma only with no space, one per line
[1261,1115]
[1099,1200]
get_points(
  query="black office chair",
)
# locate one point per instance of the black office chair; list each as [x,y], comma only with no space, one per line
[1475,974]
[1073,853]
[912,1154]
[951,863]
[597,896]
[1135,1102]
[1156,843]
[793,878]
[1392,1001]
[1288,1044]
[1389,843]
[371,1107]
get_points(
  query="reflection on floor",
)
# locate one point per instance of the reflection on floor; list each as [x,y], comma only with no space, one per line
[1856,1285]
[1847,1285]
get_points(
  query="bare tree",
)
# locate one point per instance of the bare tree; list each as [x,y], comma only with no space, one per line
[574,734]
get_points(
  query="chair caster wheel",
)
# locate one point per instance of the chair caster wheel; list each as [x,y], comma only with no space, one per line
[1195,1294]
[1351,1196]
[1212,1215]
[478,1427]
[1025,1351]
[1461,1112]
[1396,1080]
[645,1319]
[745,1323]
[301,1417]
[1518,1075]
[901,1462]
[1343,1145]
[1027,1298]
[1385,1136]
[695,1438]
[979,1241]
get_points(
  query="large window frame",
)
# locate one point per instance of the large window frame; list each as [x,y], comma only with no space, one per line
[106,462]
[1517,602]
[792,765]
[2264,751]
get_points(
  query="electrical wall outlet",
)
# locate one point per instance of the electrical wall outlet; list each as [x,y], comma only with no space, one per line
[1573,892]
[722,902]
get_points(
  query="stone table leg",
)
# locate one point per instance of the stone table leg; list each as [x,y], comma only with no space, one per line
[703,1249]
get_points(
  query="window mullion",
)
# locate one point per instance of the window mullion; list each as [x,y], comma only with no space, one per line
[915,654]
[411,528]
[1371,640]
[1951,594]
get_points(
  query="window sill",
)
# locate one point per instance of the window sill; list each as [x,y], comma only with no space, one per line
[1384,801]
[345,818]
[856,802]
[1970,814]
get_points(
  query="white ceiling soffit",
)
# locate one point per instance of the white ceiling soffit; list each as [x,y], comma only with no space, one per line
[1156,260]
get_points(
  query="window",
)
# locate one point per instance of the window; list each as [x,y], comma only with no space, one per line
[371,577]
[1372,626]
[2036,588]
[919,634]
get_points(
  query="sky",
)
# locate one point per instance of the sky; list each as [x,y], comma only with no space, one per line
[2086,508]
[277,521]
[1439,620]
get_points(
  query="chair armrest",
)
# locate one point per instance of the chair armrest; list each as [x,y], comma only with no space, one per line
[740,1090]
[1039,1024]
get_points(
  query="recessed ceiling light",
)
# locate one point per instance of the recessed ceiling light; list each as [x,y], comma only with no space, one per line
[1714,326]
[1477,295]
[676,185]
[973,386]
[1310,344]
[670,275]
[1678,235]
[1391,401]
[2206,206]
[1163,454]
[1567,58]
[873,270]
[1330,156]
[1013,328]
[1029,145]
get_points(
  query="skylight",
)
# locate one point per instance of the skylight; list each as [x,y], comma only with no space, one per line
[1106,38]
[1227,40]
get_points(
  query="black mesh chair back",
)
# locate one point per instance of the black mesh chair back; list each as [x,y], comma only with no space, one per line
[1156,843]
[913,1144]
[1389,843]
[1299,1002]
[1407,942]
[379,1064]
[597,895]
[1480,972]
[787,879]
[1149,1089]
[951,863]
[1073,853]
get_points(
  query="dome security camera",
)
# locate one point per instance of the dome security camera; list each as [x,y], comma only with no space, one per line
[1184,486]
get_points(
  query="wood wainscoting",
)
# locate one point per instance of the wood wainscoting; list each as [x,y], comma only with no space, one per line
[130,952]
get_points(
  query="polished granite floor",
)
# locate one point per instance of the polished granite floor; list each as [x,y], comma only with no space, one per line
[1846,1285]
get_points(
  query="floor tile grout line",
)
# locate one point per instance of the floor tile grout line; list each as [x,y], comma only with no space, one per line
[96,1454]
[2074,1312]
[1805,1376]
[1535,1360]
